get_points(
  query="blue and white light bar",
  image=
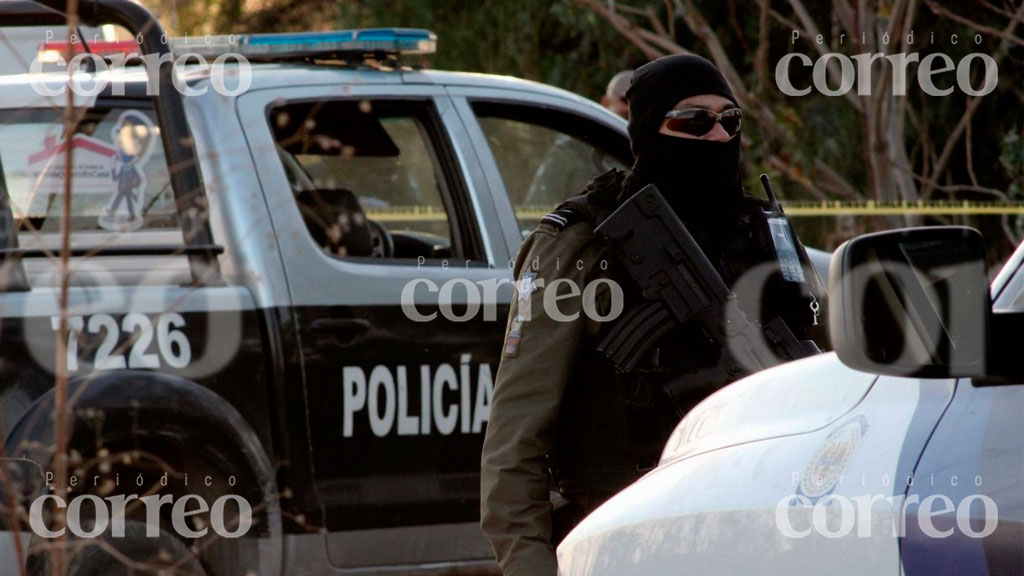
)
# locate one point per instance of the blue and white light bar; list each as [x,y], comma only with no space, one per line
[391,41]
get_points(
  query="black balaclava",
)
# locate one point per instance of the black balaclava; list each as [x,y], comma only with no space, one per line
[699,178]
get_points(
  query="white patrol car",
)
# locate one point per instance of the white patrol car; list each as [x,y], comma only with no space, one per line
[249,274]
[902,453]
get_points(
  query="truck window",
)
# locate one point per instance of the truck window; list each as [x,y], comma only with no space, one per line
[122,202]
[367,177]
[120,183]
[545,156]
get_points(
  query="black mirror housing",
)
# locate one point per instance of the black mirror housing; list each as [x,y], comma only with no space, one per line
[912,302]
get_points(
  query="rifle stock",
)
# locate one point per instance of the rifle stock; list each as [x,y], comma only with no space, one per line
[680,284]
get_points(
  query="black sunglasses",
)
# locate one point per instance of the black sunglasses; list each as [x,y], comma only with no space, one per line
[700,121]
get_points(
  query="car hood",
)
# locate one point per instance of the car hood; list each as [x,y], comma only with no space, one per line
[794,398]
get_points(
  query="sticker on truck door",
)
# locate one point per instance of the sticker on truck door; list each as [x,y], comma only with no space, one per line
[91,166]
[133,135]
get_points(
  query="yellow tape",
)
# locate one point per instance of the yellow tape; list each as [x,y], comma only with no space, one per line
[872,208]
[795,209]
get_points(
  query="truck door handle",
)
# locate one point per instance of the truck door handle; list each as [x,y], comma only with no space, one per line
[341,331]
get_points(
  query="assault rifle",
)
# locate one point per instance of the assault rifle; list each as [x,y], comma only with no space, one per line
[679,284]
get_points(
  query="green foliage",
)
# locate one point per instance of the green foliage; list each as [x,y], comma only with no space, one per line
[555,42]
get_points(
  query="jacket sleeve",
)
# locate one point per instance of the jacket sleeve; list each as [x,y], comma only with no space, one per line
[537,357]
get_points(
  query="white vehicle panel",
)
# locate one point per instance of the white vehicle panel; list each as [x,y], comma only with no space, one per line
[718,512]
[794,398]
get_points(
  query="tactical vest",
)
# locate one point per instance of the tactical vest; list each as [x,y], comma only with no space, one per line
[612,426]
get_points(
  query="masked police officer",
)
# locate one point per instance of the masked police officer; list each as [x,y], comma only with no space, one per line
[568,428]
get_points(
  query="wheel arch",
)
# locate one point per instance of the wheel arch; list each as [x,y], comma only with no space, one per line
[148,407]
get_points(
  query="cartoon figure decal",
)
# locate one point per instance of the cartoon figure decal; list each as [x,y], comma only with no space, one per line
[133,135]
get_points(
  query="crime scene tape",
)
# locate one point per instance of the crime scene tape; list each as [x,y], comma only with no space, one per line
[792,208]
[872,208]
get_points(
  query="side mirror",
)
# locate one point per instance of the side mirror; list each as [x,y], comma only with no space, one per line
[911,302]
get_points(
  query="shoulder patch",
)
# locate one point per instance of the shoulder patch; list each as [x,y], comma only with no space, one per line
[513,337]
[560,218]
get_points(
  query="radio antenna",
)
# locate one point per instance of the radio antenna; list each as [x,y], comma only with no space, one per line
[772,200]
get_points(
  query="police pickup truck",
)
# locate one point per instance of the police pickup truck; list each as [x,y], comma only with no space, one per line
[900,454]
[288,282]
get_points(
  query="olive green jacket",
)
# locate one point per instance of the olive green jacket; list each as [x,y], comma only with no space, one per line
[537,359]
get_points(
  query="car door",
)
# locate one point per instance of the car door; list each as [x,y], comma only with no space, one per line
[965,512]
[400,286]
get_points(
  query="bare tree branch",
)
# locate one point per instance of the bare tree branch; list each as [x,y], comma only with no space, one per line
[61,410]
[812,31]
[972,105]
[845,14]
[790,171]
[996,9]
[615,7]
[656,24]
[782,19]
[697,24]
[894,31]
[1006,35]
[666,44]
[670,15]
[954,188]
[625,27]
[970,156]
[761,58]
[831,179]
[822,182]
[734,21]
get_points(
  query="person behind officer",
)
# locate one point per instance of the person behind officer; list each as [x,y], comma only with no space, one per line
[614,97]
[561,413]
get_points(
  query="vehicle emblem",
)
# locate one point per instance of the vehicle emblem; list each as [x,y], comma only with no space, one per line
[827,465]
